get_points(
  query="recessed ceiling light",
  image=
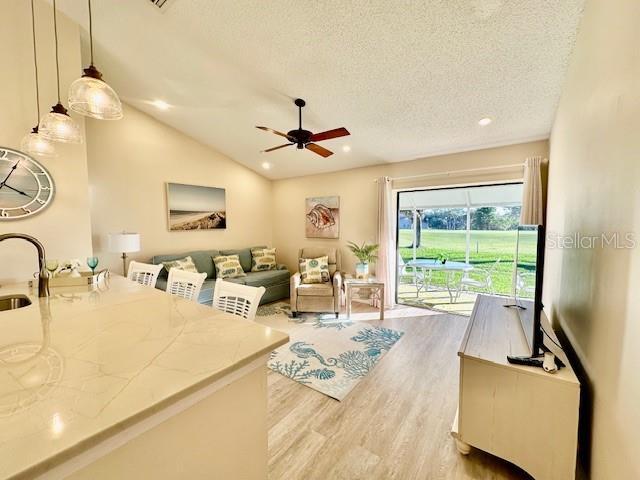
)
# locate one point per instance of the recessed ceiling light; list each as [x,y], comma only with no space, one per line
[160,104]
[266,165]
[346,148]
[483,122]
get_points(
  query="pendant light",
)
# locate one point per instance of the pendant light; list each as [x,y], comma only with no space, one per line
[34,143]
[57,125]
[90,95]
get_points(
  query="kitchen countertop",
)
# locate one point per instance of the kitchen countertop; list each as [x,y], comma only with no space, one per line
[87,363]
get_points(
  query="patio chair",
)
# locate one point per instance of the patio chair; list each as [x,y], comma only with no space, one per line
[477,279]
[525,284]
[416,276]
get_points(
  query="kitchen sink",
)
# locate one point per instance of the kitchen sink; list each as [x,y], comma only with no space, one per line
[12,302]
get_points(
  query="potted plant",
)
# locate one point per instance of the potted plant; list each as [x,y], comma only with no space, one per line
[366,254]
[442,258]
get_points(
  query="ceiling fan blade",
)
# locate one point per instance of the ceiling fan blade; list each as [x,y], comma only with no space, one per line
[335,133]
[267,129]
[323,152]
[276,148]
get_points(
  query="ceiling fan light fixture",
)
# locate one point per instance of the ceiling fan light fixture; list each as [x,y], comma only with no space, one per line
[58,126]
[91,96]
[34,143]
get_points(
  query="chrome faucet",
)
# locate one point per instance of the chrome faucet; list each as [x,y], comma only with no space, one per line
[43,276]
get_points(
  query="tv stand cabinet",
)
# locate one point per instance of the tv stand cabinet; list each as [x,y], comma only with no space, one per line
[521,414]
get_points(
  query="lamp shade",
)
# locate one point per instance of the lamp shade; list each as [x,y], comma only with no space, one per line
[58,126]
[35,144]
[94,98]
[124,242]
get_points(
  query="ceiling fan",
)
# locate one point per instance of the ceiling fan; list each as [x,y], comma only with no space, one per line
[304,138]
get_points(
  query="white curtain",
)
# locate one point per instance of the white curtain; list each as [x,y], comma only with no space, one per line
[531,213]
[385,268]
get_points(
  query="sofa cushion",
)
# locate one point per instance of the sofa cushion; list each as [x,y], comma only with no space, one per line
[267,278]
[185,264]
[201,258]
[263,259]
[228,266]
[315,290]
[244,254]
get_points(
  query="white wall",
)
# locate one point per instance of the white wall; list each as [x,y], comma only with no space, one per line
[131,160]
[358,194]
[594,173]
[64,227]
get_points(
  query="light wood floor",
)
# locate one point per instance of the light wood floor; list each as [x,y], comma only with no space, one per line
[393,425]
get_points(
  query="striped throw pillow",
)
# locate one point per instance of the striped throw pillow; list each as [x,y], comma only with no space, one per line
[314,270]
[228,266]
[263,259]
[185,264]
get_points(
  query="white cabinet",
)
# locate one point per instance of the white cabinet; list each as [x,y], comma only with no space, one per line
[522,414]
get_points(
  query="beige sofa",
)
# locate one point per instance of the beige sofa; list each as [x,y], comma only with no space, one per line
[318,297]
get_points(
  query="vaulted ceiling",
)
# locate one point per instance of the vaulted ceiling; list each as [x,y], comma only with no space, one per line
[409,79]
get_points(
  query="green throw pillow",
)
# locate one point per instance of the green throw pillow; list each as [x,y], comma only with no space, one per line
[314,270]
[228,266]
[185,264]
[263,259]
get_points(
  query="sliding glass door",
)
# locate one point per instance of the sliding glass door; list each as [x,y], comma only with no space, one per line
[454,243]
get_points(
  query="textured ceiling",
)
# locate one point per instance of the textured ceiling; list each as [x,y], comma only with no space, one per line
[409,79]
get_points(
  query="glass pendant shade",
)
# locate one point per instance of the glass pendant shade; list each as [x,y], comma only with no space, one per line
[91,96]
[35,144]
[58,126]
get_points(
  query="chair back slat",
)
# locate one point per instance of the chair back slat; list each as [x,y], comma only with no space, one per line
[185,284]
[239,300]
[143,273]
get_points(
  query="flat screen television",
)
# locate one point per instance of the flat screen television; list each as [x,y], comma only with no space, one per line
[529,268]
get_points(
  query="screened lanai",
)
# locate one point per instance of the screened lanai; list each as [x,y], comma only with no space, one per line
[416,201]
[470,228]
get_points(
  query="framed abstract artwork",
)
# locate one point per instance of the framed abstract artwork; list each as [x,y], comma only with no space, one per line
[322,217]
[194,207]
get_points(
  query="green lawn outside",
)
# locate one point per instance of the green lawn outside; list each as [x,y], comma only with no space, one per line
[487,246]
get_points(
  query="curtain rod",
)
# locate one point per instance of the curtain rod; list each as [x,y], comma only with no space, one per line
[456,172]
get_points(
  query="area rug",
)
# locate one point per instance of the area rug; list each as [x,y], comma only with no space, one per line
[327,354]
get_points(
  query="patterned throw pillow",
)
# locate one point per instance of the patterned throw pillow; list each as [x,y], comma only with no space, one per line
[185,264]
[263,259]
[228,266]
[314,270]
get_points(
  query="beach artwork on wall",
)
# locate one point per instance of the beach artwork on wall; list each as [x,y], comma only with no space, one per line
[193,207]
[323,217]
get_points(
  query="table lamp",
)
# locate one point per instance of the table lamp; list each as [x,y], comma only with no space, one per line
[124,243]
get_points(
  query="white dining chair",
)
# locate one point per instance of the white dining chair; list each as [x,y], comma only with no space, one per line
[144,273]
[185,284]
[236,299]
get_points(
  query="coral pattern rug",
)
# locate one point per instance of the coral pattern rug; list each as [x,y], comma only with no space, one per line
[328,354]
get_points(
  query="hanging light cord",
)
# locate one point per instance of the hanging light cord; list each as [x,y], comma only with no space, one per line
[35,62]
[90,31]
[55,33]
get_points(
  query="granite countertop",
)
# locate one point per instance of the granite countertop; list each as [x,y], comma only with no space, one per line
[88,362]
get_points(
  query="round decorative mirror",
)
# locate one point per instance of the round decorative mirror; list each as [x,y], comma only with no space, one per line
[26,187]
